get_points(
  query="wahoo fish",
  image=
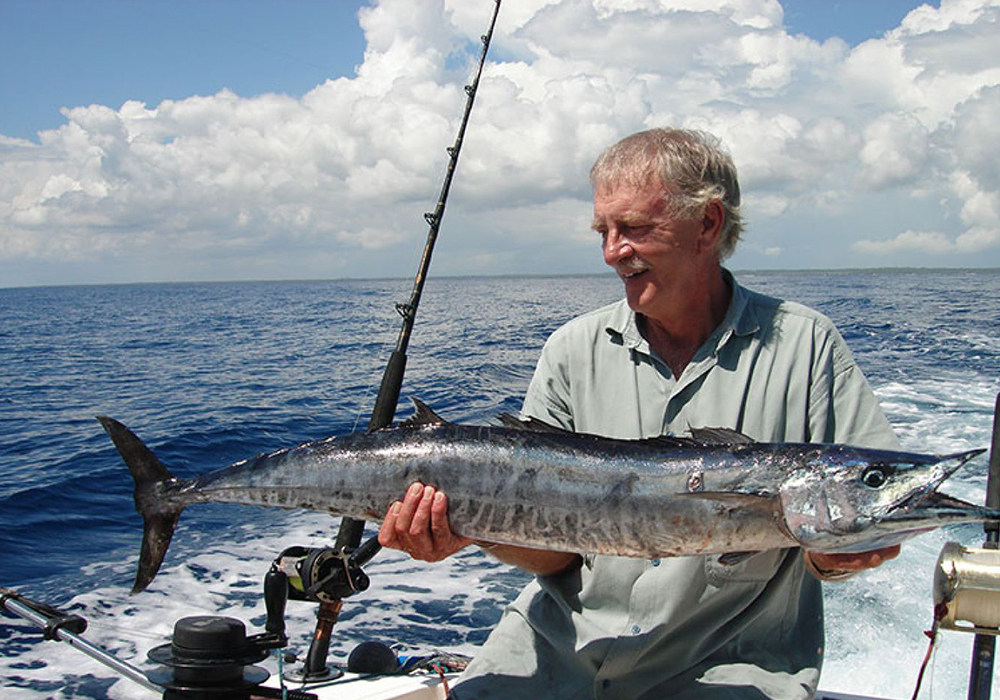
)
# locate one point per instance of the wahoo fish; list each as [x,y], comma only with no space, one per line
[530,484]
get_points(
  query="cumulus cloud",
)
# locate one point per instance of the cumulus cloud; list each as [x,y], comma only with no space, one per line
[895,150]
[972,241]
[333,182]
[924,241]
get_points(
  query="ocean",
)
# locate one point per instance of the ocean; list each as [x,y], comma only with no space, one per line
[208,374]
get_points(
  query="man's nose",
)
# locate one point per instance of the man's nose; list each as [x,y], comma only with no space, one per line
[616,247]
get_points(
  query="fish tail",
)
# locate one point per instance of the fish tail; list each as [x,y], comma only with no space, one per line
[159,515]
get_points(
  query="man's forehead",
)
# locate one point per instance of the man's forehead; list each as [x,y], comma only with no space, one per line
[632,180]
[627,201]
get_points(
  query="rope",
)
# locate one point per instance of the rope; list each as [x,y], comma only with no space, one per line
[940,610]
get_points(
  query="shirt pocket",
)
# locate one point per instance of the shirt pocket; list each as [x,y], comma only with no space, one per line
[756,568]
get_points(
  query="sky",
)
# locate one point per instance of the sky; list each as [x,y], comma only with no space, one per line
[147,141]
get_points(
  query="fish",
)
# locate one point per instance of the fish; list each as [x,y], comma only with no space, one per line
[526,483]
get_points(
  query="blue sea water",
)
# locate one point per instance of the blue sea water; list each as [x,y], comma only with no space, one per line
[208,374]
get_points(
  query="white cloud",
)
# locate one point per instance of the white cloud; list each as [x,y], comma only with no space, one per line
[980,208]
[923,241]
[768,206]
[974,240]
[895,150]
[350,167]
[978,239]
[926,18]
[371,238]
[971,142]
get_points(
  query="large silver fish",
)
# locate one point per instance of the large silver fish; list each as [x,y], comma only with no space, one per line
[529,484]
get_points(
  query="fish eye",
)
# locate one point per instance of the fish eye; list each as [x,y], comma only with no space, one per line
[874,477]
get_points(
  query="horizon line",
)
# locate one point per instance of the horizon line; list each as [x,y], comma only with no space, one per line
[525,275]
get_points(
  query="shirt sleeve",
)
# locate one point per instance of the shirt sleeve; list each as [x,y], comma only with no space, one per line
[843,407]
[548,397]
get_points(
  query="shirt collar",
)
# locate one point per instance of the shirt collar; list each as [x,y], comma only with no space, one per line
[740,320]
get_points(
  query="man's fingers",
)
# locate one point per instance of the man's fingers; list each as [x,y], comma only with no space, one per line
[441,526]
[854,561]
[421,521]
[395,529]
[387,531]
[409,505]
[412,522]
[880,556]
[439,517]
[419,526]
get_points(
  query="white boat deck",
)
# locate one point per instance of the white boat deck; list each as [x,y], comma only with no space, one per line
[350,686]
[429,687]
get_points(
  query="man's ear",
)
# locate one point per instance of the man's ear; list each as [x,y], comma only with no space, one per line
[712,222]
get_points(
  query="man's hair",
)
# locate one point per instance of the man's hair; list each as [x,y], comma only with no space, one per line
[691,166]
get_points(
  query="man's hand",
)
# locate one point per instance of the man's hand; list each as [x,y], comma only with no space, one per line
[418,525]
[831,567]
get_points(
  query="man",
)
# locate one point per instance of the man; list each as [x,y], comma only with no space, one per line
[687,347]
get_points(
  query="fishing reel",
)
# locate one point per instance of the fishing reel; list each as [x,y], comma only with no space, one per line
[323,575]
[319,575]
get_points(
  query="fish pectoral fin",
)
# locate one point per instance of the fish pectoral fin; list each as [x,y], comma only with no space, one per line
[734,558]
[720,436]
[733,499]
[422,415]
[730,496]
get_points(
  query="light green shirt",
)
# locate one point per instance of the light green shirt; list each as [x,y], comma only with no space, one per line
[684,627]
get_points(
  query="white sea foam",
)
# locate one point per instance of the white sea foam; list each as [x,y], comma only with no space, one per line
[413,606]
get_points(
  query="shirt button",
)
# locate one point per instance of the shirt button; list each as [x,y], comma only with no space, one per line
[606,683]
[636,629]
[655,562]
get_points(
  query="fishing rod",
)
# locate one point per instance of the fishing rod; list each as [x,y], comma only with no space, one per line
[392,379]
[984,647]
[346,578]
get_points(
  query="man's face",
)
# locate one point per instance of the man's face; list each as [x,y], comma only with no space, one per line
[657,255]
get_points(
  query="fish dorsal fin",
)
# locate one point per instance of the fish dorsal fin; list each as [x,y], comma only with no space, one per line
[671,442]
[530,423]
[422,415]
[720,436]
[537,425]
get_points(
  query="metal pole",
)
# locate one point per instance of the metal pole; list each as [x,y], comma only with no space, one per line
[984,648]
[351,530]
[101,656]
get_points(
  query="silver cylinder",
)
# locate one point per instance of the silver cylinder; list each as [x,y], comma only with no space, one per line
[967,584]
